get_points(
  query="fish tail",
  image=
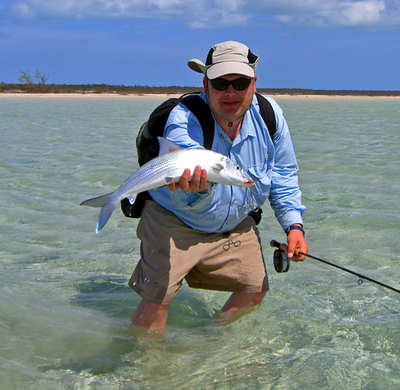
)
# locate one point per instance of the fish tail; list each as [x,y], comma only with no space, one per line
[99,201]
[105,214]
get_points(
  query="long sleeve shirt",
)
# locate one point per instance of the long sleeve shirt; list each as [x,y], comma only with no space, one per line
[270,163]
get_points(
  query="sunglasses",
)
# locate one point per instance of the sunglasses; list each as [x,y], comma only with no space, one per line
[239,84]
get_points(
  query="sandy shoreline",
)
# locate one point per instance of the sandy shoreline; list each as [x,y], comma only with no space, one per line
[165,95]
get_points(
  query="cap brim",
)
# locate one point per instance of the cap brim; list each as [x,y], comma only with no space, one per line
[224,68]
[197,65]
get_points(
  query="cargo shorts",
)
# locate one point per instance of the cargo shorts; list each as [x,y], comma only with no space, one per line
[171,252]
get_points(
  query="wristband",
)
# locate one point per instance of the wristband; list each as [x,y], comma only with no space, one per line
[295,227]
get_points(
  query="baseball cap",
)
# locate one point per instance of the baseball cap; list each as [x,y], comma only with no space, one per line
[228,57]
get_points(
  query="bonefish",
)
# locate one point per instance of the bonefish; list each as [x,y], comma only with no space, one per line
[165,169]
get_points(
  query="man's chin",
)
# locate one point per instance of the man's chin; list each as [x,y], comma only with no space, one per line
[232,114]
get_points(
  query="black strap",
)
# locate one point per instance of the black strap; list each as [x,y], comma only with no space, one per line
[268,114]
[203,114]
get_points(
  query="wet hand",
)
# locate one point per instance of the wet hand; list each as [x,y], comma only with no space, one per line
[198,182]
[296,243]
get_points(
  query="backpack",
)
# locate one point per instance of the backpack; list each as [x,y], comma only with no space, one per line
[147,145]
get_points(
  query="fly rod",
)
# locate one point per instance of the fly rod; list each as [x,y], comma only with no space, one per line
[281,263]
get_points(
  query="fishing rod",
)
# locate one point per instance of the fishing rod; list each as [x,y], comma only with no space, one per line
[281,264]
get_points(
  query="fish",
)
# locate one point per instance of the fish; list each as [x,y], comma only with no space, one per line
[165,169]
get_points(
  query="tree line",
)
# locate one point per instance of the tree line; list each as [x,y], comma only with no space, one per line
[179,90]
[38,83]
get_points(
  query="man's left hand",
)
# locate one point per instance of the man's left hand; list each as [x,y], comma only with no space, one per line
[296,243]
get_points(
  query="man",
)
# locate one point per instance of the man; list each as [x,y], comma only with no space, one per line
[203,233]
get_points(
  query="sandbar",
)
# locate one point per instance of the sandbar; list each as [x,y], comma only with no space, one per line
[167,95]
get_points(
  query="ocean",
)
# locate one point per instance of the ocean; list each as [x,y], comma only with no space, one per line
[65,306]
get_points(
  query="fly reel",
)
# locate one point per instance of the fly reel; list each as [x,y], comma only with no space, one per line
[281,261]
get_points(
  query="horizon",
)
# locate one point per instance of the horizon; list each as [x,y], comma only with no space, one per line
[37,86]
[328,45]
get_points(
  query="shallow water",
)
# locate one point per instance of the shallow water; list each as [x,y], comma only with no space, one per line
[64,302]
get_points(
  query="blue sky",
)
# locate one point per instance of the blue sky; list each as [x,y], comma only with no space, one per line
[319,44]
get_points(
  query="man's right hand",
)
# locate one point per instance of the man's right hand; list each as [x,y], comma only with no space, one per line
[198,183]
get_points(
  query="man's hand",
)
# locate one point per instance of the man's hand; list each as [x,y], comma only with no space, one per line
[296,243]
[198,183]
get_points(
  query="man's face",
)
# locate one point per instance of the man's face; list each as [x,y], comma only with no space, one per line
[231,104]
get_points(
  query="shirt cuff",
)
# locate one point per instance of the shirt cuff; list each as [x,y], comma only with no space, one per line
[290,218]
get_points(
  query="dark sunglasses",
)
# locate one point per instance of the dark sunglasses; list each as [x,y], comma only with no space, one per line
[239,84]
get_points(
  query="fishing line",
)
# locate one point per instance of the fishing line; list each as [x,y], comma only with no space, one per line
[281,263]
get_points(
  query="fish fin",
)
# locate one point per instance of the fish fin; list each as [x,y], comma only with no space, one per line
[167,146]
[105,214]
[217,167]
[99,201]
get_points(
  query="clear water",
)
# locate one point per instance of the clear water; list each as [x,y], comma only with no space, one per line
[64,302]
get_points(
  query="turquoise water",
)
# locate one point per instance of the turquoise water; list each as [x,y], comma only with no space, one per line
[64,302]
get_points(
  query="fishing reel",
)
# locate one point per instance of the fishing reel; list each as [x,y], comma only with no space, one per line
[281,261]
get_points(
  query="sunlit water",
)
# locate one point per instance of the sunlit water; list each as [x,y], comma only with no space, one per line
[65,305]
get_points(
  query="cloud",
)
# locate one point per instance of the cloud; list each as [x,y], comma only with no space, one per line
[356,13]
[99,8]
[204,13]
[364,12]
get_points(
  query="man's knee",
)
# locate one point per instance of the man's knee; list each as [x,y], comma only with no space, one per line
[248,299]
[243,300]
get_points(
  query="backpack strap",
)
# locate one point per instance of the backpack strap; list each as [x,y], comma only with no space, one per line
[202,112]
[268,114]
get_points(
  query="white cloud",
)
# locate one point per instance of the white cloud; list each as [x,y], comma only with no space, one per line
[362,12]
[103,8]
[349,13]
[24,10]
[203,13]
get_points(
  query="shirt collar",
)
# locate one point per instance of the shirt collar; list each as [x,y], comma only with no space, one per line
[247,129]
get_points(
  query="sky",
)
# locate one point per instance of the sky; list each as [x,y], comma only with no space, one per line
[317,44]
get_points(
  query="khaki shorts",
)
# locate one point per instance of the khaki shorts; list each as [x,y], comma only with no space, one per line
[171,252]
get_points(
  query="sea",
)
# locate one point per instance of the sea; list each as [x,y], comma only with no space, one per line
[65,305]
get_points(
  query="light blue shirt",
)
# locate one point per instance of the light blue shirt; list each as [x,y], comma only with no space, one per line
[271,164]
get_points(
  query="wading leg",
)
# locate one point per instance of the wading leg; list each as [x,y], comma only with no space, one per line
[239,304]
[149,318]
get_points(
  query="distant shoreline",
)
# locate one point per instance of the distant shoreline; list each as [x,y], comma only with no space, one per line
[121,91]
[170,95]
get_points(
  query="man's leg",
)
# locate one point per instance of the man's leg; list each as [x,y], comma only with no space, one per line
[149,317]
[160,270]
[237,305]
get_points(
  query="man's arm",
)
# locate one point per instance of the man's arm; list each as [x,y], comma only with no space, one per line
[285,194]
[184,129]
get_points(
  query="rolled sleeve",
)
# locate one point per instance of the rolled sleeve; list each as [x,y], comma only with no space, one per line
[183,128]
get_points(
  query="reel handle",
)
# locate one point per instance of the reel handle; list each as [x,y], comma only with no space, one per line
[276,244]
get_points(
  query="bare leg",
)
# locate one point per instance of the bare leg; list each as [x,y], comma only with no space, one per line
[149,318]
[239,304]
